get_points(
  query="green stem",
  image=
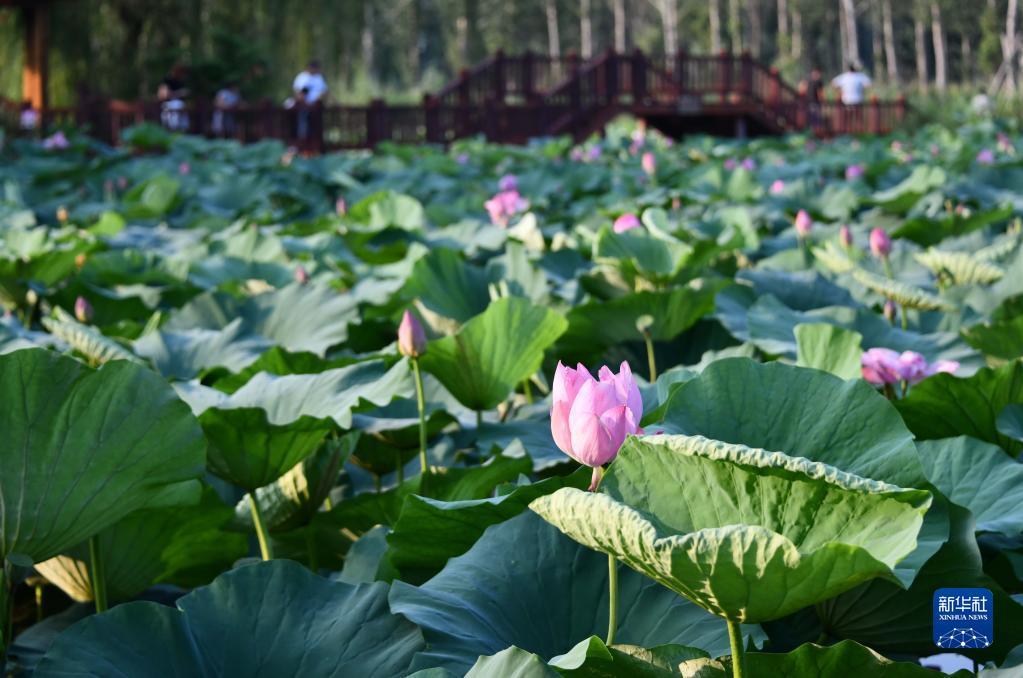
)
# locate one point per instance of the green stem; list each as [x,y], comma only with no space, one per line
[5,614]
[399,470]
[887,267]
[527,391]
[612,611]
[479,419]
[99,582]
[650,360]
[376,483]
[265,547]
[905,321]
[738,653]
[421,402]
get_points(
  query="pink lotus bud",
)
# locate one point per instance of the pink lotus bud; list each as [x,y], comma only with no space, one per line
[649,163]
[896,145]
[880,366]
[576,155]
[301,275]
[1005,144]
[590,418]
[803,223]
[341,207]
[626,222]
[83,310]
[749,164]
[890,311]
[411,337]
[985,157]
[462,158]
[122,183]
[854,172]
[730,164]
[184,168]
[503,206]
[593,153]
[509,182]
[777,187]
[845,236]
[880,243]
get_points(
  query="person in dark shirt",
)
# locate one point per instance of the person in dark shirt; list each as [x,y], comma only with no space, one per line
[171,93]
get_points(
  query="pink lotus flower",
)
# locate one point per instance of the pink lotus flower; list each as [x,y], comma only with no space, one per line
[649,163]
[935,150]
[83,310]
[854,172]
[845,236]
[504,206]
[301,275]
[576,155]
[777,187]
[411,337]
[341,207]
[889,311]
[626,222]
[593,153]
[1005,144]
[184,168]
[883,366]
[122,183]
[509,182]
[803,223]
[462,158]
[880,243]
[590,418]
[896,146]
[730,164]
[56,141]
[749,164]
[985,157]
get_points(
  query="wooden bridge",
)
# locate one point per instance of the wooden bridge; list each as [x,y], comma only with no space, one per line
[512,99]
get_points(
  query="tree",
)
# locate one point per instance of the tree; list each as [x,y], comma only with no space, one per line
[585,30]
[922,76]
[715,26]
[851,47]
[621,41]
[553,36]
[668,9]
[891,62]
[784,40]
[940,53]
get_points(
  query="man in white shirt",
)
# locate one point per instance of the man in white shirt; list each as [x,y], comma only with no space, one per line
[852,84]
[309,85]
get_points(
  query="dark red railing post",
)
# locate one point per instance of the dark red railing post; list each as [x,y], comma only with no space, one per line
[900,108]
[431,119]
[462,114]
[527,75]
[747,74]
[680,70]
[376,122]
[724,74]
[611,75]
[638,76]
[875,115]
[774,95]
[499,77]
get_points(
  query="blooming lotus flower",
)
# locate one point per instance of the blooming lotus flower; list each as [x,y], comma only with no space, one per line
[593,153]
[730,164]
[985,157]
[803,223]
[854,172]
[56,141]
[1005,144]
[915,368]
[845,236]
[509,182]
[880,243]
[749,164]
[590,418]
[626,222]
[649,163]
[411,337]
[576,155]
[505,205]
[341,207]
[83,310]
[883,366]
[896,145]
[301,275]
[184,168]
[777,187]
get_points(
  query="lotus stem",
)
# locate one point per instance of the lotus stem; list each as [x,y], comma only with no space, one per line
[479,421]
[99,582]
[905,321]
[738,653]
[527,391]
[39,601]
[650,359]
[421,402]
[5,615]
[612,604]
[265,547]
[399,469]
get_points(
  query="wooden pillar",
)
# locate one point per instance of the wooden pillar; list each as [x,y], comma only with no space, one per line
[34,75]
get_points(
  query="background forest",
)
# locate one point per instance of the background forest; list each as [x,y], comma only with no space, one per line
[400,48]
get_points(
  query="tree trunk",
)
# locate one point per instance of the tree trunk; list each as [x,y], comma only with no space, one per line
[1009,52]
[940,54]
[621,41]
[876,51]
[668,9]
[852,53]
[797,34]
[966,59]
[922,76]
[889,42]
[783,41]
[755,28]
[553,37]
[734,26]
[368,45]
[715,26]
[585,30]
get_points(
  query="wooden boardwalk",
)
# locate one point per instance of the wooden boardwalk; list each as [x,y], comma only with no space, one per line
[511,99]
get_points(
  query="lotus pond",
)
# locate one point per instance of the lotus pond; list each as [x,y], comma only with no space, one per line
[629,408]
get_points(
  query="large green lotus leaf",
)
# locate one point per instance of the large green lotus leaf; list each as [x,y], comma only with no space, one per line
[86,339]
[492,353]
[525,584]
[1003,339]
[391,433]
[840,660]
[186,353]
[598,325]
[945,406]
[801,412]
[268,619]
[180,544]
[297,317]
[760,535]
[532,435]
[1010,421]
[430,531]
[926,231]
[799,290]
[898,621]
[978,476]
[654,256]
[84,448]
[830,348]
[448,285]
[590,658]
[151,198]
[275,360]
[902,196]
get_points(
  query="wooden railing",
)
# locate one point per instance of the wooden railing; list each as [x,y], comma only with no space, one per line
[512,99]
